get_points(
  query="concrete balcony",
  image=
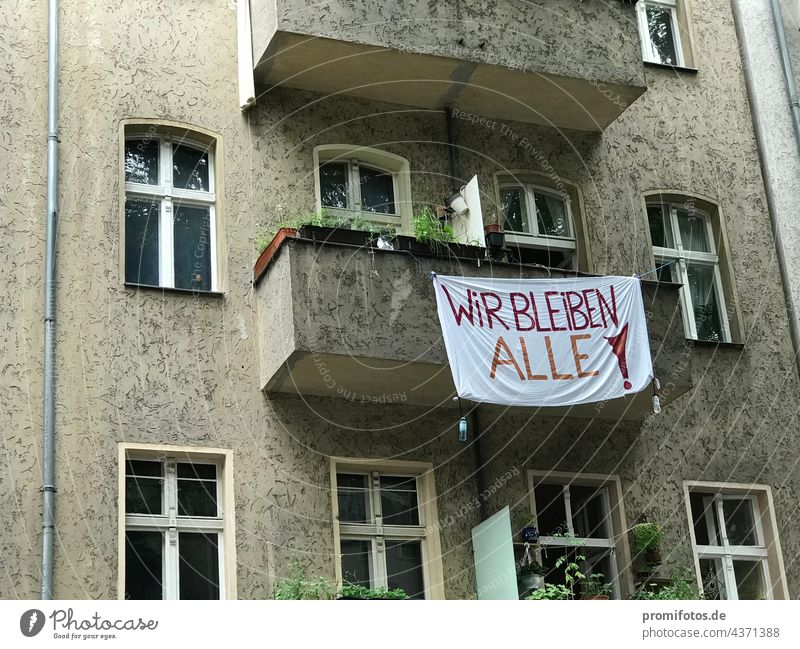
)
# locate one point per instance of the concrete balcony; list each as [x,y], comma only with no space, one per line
[360,324]
[567,63]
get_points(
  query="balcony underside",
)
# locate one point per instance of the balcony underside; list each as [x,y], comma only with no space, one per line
[428,81]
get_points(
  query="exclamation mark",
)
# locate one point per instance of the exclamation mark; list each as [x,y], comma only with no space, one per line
[618,344]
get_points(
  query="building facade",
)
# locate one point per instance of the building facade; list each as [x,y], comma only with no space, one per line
[214,423]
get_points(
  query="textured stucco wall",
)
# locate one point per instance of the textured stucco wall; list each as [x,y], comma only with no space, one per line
[165,368]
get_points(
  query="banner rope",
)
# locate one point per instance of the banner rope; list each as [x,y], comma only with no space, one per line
[656,269]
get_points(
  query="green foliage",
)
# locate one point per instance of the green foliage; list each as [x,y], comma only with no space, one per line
[678,588]
[362,592]
[550,591]
[531,569]
[429,229]
[298,586]
[521,519]
[595,586]
[647,536]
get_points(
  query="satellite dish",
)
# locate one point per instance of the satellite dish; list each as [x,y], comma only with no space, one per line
[468,223]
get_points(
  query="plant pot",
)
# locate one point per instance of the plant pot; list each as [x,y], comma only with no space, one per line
[495,237]
[335,235]
[265,258]
[529,534]
[652,558]
[464,251]
[527,583]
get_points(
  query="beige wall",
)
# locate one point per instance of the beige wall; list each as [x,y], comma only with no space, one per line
[159,368]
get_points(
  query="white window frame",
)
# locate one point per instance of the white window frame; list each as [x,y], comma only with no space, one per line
[166,195]
[171,524]
[715,494]
[683,256]
[535,239]
[616,545]
[427,532]
[649,53]
[355,157]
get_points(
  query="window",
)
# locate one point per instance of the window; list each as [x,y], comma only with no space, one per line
[581,515]
[175,526]
[364,183]
[538,224]
[659,31]
[170,220]
[684,249]
[733,555]
[385,532]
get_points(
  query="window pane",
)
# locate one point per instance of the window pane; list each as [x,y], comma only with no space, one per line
[141,161]
[352,492]
[551,514]
[749,577]
[199,566]
[739,522]
[703,295]
[512,206]
[357,562]
[660,228]
[704,515]
[598,562]
[377,191]
[552,216]
[588,512]
[404,567]
[143,565]
[399,500]
[662,39]
[197,498]
[333,184]
[190,168]
[694,235]
[141,242]
[143,495]
[192,229]
[666,273]
[713,579]
[144,468]
[198,471]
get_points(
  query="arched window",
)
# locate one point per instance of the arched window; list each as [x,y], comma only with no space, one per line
[685,247]
[170,209]
[369,183]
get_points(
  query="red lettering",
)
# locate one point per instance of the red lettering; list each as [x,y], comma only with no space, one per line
[491,312]
[574,309]
[551,311]
[589,309]
[462,312]
[612,310]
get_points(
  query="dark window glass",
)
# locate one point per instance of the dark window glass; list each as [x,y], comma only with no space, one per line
[588,512]
[703,294]
[551,514]
[143,565]
[143,495]
[713,579]
[740,525]
[404,567]
[704,512]
[192,242]
[552,216]
[141,161]
[377,190]
[662,38]
[141,242]
[199,565]
[512,206]
[693,230]
[399,500]
[749,577]
[197,497]
[351,490]
[147,468]
[190,168]
[197,471]
[333,184]
[356,562]
[660,228]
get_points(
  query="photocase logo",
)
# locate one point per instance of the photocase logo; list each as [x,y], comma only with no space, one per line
[31,622]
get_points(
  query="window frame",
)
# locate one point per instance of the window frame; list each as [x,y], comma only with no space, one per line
[683,257]
[427,532]
[767,551]
[355,157]
[222,524]
[616,544]
[168,197]
[644,31]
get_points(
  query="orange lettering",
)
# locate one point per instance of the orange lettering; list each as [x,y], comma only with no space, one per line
[508,361]
[553,370]
[580,357]
[531,377]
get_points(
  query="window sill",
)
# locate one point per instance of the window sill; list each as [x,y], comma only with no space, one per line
[166,289]
[670,66]
[710,343]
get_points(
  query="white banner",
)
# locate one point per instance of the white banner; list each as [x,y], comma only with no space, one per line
[544,342]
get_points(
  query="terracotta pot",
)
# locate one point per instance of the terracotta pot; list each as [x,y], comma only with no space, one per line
[492,227]
[265,258]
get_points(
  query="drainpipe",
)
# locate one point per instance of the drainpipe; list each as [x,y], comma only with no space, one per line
[758,129]
[451,147]
[48,406]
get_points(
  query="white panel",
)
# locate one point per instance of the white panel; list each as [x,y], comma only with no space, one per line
[247,90]
[493,549]
[469,227]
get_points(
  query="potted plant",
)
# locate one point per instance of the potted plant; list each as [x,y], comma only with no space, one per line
[298,586]
[678,587]
[594,586]
[433,235]
[525,523]
[495,236]
[355,591]
[530,576]
[550,592]
[647,544]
